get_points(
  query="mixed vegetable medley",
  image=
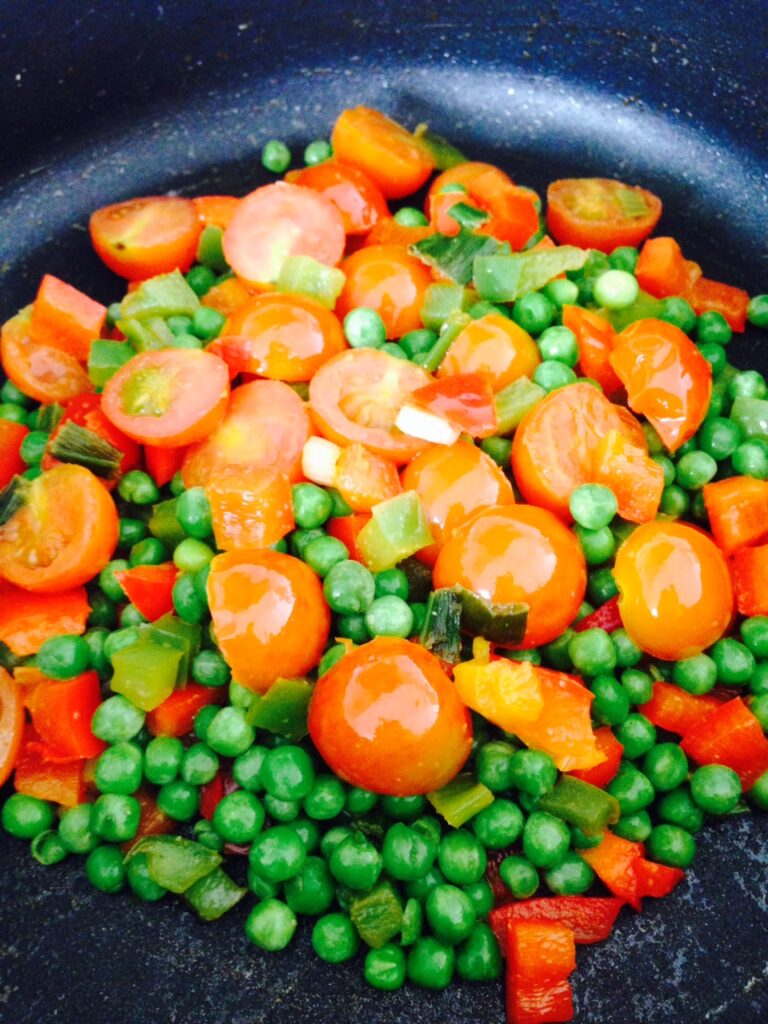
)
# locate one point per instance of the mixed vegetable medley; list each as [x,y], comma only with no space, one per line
[390,556]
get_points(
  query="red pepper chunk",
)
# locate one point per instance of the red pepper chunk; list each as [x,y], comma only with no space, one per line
[85,411]
[595,337]
[60,782]
[66,318]
[149,588]
[61,714]
[28,619]
[465,399]
[707,296]
[675,710]
[346,529]
[605,617]
[614,861]
[163,463]
[656,879]
[730,735]
[540,957]
[211,795]
[176,715]
[749,573]
[738,512]
[591,918]
[601,774]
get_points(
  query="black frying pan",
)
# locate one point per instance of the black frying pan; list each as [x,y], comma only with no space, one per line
[113,100]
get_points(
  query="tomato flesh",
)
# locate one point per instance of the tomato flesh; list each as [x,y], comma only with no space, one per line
[146,236]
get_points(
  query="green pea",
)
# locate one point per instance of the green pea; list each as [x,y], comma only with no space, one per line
[430,963]
[416,342]
[634,827]
[271,925]
[192,555]
[311,890]
[758,794]
[389,616]
[734,662]
[384,968]
[318,151]
[696,675]
[754,633]
[666,766]
[757,311]
[719,438]
[312,505]
[186,600]
[631,788]
[615,289]
[138,488]
[534,312]
[323,553]
[281,810]
[63,657]
[694,470]
[352,627]
[162,759]
[407,855]
[494,766]
[76,829]
[326,798]
[601,587]
[229,733]
[349,588]
[179,800]
[193,510]
[520,876]
[674,501]
[559,344]
[593,506]
[592,652]
[715,788]
[410,217]
[287,773]
[550,375]
[598,545]
[239,817]
[119,769]
[561,292]
[47,848]
[712,327]
[637,685]
[199,764]
[498,825]
[277,854]
[26,817]
[533,771]
[751,459]
[678,312]
[149,551]
[461,857]
[671,845]
[572,876]
[360,801]
[275,156]
[140,882]
[356,863]
[334,938]
[450,913]
[210,669]
[364,328]
[104,869]
[611,703]
[115,817]
[545,839]
[497,448]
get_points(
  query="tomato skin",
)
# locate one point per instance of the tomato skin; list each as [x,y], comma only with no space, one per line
[179,396]
[676,596]
[280,220]
[595,337]
[515,553]
[11,462]
[387,717]
[41,371]
[585,212]
[63,536]
[495,347]
[283,337]
[11,723]
[151,235]
[666,377]
[250,508]
[356,196]
[453,483]
[269,615]
[364,479]
[216,211]
[357,395]
[385,278]
[266,426]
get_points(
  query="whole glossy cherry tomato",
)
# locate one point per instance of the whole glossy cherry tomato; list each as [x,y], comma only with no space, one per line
[495,347]
[676,597]
[386,717]
[453,483]
[269,615]
[385,278]
[357,197]
[518,553]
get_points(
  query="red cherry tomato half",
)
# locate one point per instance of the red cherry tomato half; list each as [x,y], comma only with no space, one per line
[600,213]
[143,237]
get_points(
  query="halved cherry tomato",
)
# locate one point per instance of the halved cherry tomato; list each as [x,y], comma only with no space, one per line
[86,411]
[227,296]
[280,220]
[364,478]
[149,588]
[600,213]
[633,476]
[554,446]
[44,373]
[11,723]
[355,195]
[512,209]
[453,483]
[495,347]
[386,279]
[250,507]
[518,553]
[170,397]
[266,426]
[269,615]
[143,237]
[388,718]
[216,211]
[676,596]
[64,533]
[391,156]
[66,318]
[11,462]
[667,379]
[465,399]
[595,337]
[27,620]
[284,337]
[357,395]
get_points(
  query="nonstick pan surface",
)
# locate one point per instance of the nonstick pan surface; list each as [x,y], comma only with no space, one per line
[104,101]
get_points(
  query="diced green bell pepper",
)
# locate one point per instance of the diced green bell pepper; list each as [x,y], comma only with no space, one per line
[147,335]
[506,278]
[105,358]
[213,895]
[161,296]
[164,523]
[514,401]
[440,300]
[304,275]
[461,799]
[751,414]
[441,632]
[174,862]
[581,804]
[377,916]
[644,307]
[283,708]
[398,528]
[145,673]
[171,631]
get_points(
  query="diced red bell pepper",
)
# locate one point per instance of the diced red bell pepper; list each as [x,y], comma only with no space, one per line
[149,588]
[749,573]
[176,715]
[676,710]
[66,318]
[614,861]
[465,399]
[11,462]
[605,617]
[591,918]
[712,296]
[602,774]
[28,619]
[540,957]
[660,269]
[346,529]
[595,337]
[656,879]
[163,464]
[152,821]
[211,795]
[60,782]
[737,508]
[85,411]
[730,735]
[62,711]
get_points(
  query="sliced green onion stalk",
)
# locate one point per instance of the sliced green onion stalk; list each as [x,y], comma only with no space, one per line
[161,296]
[304,275]
[377,916]
[441,301]
[504,278]
[283,708]
[419,578]
[581,805]
[105,358]
[48,416]
[455,255]
[12,497]
[467,216]
[631,202]
[82,447]
[213,895]
[441,632]
[444,153]
[514,401]
[461,799]
[174,862]
[497,623]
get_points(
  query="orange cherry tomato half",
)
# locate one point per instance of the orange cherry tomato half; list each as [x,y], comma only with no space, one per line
[216,211]
[280,220]
[364,479]
[250,508]
[386,717]
[667,379]
[518,553]
[385,278]
[143,237]
[11,723]
[41,371]
[269,615]
[554,446]
[265,427]
[453,483]
[600,213]
[63,534]
[357,197]
[676,596]
[357,395]
[169,397]
[389,154]
[284,337]
[495,347]
[595,337]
